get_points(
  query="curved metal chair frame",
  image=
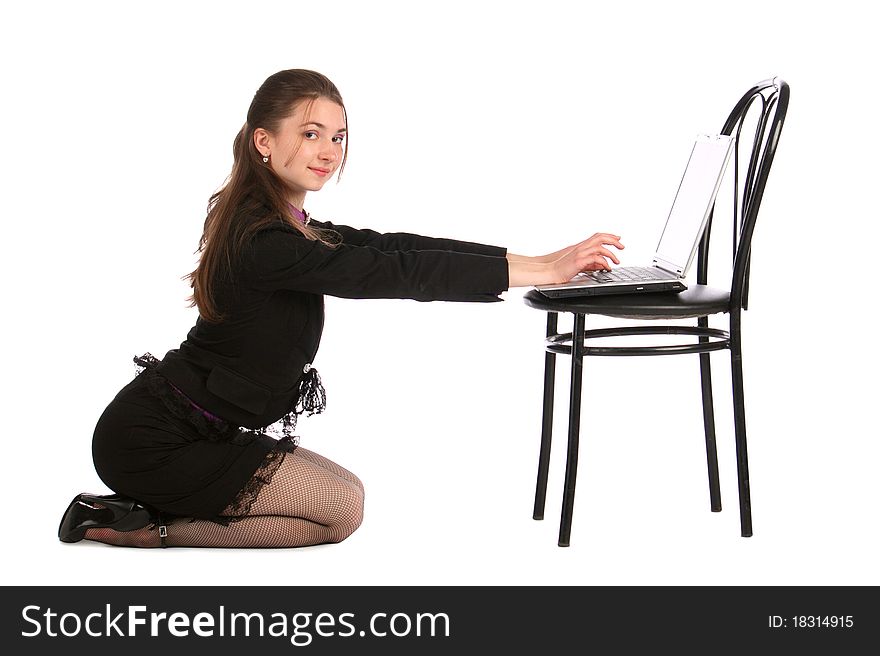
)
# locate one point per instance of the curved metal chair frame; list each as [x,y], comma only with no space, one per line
[770,98]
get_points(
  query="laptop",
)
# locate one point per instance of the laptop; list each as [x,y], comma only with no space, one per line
[680,238]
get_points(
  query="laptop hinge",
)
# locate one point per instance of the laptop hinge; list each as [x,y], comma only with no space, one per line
[667,266]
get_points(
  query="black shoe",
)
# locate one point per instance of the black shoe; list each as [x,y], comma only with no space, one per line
[109,511]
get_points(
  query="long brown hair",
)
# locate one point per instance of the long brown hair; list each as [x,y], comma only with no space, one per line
[253,196]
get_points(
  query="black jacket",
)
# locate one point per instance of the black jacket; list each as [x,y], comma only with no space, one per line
[247,368]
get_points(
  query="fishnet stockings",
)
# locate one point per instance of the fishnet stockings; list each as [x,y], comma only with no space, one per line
[311,500]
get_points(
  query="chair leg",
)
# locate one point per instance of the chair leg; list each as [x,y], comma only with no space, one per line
[739,421]
[709,424]
[547,421]
[574,421]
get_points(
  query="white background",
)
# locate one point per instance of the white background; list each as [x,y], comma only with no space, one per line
[529,125]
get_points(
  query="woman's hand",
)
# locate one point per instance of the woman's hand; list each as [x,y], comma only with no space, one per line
[563,265]
[590,255]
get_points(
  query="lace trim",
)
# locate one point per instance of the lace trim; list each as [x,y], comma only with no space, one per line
[208,425]
[311,400]
[240,506]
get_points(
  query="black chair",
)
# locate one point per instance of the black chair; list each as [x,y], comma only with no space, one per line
[762,112]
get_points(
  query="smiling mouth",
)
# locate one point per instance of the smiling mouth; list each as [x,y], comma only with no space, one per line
[321,172]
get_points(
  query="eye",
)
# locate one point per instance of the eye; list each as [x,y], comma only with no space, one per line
[339,138]
[314,135]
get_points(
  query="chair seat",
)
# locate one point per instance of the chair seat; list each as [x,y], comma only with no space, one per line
[697,301]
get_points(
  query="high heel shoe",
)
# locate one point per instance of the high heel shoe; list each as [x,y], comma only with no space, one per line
[109,511]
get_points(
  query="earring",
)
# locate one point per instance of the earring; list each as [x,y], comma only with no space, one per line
[265,159]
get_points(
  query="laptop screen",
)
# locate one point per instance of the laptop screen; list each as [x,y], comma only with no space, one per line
[693,202]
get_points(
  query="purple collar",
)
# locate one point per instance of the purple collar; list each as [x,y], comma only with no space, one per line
[302,215]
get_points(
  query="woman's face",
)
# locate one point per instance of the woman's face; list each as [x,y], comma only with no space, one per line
[307,148]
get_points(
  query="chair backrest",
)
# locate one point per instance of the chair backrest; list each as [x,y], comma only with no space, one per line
[765,106]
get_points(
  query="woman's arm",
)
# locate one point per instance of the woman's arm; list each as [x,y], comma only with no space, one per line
[405,241]
[563,265]
[552,257]
[283,259]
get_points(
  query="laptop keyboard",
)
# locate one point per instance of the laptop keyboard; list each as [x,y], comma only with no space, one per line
[628,274]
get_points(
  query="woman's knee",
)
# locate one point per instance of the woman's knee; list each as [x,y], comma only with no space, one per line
[349,513]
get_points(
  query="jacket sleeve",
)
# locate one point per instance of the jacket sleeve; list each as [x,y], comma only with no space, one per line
[404,241]
[282,259]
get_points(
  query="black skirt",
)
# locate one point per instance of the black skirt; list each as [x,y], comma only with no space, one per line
[152,444]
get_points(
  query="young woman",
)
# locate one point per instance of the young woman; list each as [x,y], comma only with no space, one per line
[198,446]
